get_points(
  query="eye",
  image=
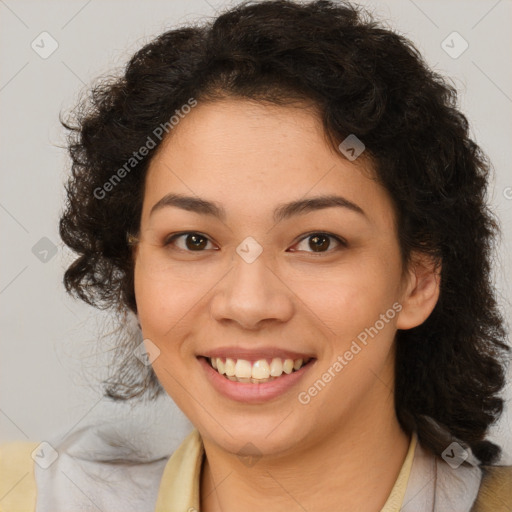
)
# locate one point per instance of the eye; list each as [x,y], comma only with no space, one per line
[320,242]
[193,242]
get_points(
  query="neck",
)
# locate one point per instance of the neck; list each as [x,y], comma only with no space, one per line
[351,468]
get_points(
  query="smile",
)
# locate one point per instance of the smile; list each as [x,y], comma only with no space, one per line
[256,372]
[257,379]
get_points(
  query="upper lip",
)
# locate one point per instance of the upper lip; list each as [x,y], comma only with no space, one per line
[254,354]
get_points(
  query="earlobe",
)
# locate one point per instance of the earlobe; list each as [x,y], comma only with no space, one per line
[421,291]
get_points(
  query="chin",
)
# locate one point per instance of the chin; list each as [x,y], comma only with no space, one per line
[269,436]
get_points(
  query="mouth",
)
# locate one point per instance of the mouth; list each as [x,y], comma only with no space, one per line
[255,376]
[257,371]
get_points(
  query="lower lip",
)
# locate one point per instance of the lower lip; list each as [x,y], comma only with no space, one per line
[253,393]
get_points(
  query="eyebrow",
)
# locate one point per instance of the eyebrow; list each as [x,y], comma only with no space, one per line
[282,212]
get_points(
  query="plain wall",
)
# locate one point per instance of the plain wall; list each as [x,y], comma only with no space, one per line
[51,351]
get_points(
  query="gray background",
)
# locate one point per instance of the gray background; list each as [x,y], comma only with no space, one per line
[53,348]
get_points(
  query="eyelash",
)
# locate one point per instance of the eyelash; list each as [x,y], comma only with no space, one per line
[342,243]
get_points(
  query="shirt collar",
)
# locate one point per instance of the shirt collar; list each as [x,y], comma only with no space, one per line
[181,479]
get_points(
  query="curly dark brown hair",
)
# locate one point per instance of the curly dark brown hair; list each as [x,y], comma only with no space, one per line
[364,80]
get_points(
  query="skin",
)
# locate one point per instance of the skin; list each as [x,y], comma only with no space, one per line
[346,444]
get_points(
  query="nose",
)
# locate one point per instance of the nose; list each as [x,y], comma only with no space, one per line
[252,295]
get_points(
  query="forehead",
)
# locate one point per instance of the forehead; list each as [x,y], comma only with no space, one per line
[251,156]
[260,134]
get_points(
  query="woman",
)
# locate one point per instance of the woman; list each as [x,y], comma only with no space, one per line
[290,203]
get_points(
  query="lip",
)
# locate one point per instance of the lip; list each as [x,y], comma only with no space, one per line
[255,354]
[253,393]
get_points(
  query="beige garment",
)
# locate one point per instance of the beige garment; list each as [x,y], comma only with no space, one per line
[180,484]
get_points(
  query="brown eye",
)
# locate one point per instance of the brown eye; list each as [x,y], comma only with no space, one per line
[319,242]
[194,242]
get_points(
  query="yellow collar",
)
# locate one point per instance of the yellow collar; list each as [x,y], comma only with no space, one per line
[180,483]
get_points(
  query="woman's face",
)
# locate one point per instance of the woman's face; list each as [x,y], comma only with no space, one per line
[259,282]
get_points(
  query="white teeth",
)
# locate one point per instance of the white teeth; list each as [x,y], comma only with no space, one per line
[259,381]
[276,367]
[229,367]
[241,370]
[288,366]
[260,369]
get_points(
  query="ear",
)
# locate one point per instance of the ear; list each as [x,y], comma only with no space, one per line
[421,290]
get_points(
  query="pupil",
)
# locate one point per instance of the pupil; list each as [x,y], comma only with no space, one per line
[319,242]
[198,242]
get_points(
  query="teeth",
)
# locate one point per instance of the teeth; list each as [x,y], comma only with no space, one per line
[260,371]
[243,369]
[288,366]
[258,381]
[229,367]
[276,367]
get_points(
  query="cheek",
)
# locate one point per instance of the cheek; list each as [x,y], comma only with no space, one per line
[167,292]
[354,296]
[161,300]
[163,303]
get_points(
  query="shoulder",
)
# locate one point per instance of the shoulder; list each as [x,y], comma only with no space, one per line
[17,482]
[495,492]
